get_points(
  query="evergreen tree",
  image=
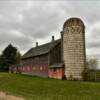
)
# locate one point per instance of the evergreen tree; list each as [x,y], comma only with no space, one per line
[9,56]
[18,57]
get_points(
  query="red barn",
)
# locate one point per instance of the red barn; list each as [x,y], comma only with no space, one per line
[44,60]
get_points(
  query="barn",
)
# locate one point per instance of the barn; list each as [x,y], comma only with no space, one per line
[65,57]
[44,60]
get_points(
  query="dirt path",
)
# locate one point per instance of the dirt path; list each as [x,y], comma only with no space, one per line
[4,96]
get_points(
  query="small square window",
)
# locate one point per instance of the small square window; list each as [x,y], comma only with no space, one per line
[41,68]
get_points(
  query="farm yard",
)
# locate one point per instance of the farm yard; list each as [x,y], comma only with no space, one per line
[36,88]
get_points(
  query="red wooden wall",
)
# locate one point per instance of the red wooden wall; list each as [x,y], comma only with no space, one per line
[56,73]
[37,66]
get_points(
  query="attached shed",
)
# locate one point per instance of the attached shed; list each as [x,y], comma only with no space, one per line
[56,71]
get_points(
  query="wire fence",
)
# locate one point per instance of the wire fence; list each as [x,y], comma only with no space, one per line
[94,75]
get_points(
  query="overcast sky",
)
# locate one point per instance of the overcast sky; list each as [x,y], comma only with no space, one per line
[23,22]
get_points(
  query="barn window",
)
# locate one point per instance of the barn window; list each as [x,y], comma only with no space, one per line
[28,68]
[34,68]
[23,68]
[41,68]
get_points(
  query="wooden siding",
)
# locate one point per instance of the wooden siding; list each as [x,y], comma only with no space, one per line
[37,66]
[55,55]
[35,69]
[36,60]
[56,73]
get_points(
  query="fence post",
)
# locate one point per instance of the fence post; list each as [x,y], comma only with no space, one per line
[95,74]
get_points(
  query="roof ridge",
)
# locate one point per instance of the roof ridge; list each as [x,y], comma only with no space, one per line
[48,43]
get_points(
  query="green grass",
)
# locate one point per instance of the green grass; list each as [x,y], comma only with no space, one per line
[35,88]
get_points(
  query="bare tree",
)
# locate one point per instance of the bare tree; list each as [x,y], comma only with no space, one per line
[92,64]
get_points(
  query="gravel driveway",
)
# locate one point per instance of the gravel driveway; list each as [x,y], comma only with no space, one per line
[4,96]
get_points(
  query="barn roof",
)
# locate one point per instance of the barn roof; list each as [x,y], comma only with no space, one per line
[57,65]
[42,49]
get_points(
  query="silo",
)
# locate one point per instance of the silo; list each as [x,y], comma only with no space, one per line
[74,55]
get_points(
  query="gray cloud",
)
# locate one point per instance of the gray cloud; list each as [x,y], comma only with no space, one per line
[26,21]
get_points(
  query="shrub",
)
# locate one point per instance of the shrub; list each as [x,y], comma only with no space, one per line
[85,74]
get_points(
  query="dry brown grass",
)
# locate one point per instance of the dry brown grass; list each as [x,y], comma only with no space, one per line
[5,96]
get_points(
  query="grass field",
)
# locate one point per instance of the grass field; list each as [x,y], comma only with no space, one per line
[35,88]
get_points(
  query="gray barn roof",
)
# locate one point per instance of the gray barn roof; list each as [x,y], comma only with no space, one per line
[42,49]
[57,65]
